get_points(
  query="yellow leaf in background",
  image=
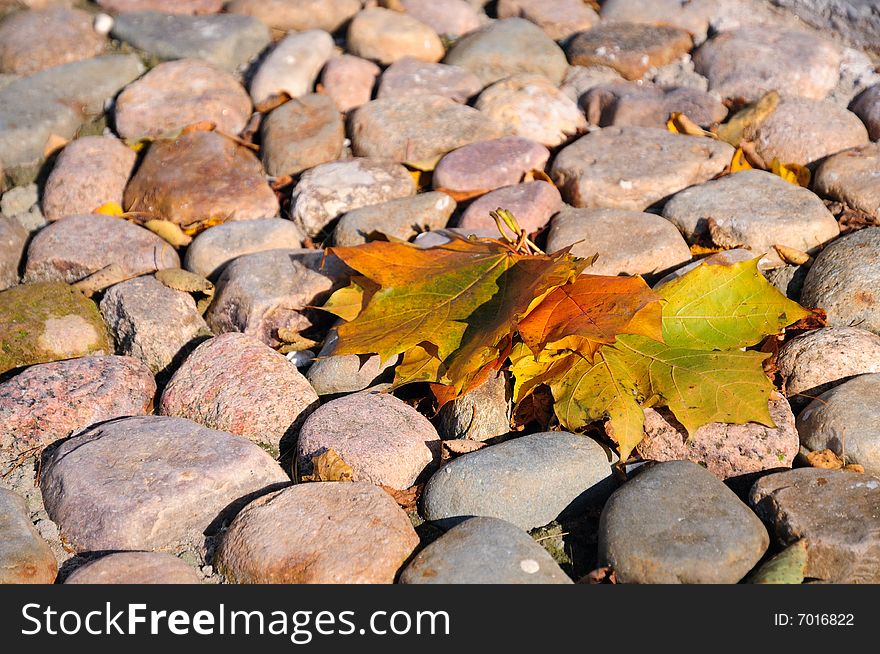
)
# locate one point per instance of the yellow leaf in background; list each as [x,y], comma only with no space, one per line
[791,172]
[746,119]
[109,209]
[739,161]
[417,177]
[169,231]
[679,123]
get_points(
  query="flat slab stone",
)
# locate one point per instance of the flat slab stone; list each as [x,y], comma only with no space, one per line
[754,210]
[834,511]
[48,322]
[792,62]
[725,450]
[25,558]
[327,191]
[528,481]
[533,107]
[627,242]
[488,165]
[812,363]
[410,76]
[635,167]
[237,384]
[629,48]
[301,134]
[507,47]
[298,15]
[484,551]
[403,218]
[851,177]
[385,36]
[225,40]
[844,280]
[47,402]
[292,66]
[77,246]
[151,483]
[676,523]
[804,130]
[211,250]
[385,129]
[153,323]
[198,177]
[532,203]
[283,537]
[383,439]
[135,568]
[175,94]
[846,420]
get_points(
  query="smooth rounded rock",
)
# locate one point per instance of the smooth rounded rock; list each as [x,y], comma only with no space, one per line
[301,134]
[31,41]
[298,15]
[331,374]
[851,177]
[292,66]
[47,402]
[135,568]
[90,172]
[410,76]
[645,105]
[383,439]
[507,47]
[532,203]
[175,94]
[403,218]
[385,36]
[834,511]
[151,483]
[211,250]
[484,551]
[71,249]
[349,81]
[559,19]
[327,191]
[238,384]
[450,18]
[176,7]
[200,176]
[25,558]
[844,280]
[480,414]
[488,165]
[635,167]
[619,237]
[13,239]
[675,523]
[752,209]
[284,537]
[846,420]
[528,481]
[866,105]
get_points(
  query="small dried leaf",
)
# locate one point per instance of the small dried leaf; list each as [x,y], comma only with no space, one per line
[329,466]
[460,446]
[748,118]
[791,172]
[103,278]
[201,126]
[407,499]
[751,155]
[792,256]
[272,102]
[110,209]
[739,161]
[603,575]
[462,196]
[679,123]
[169,232]
[184,280]
[825,459]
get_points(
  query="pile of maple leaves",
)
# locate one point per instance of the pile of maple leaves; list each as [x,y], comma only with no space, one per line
[605,346]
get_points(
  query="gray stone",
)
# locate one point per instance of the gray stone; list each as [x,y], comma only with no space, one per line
[531,203]
[580,79]
[754,210]
[867,107]
[25,558]
[385,129]
[851,177]
[346,373]
[857,22]
[480,414]
[386,36]
[19,200]
[835,511]
[71,249]
[301,134]
[627,242]
[211,250]
[845,279]
[507,47]
[260,293]
[292,66]
[57,101]
[813,363]
[484,551]
[529,481]
[635,167]
[153,323]
[383,439]
[403,218]
[151,483]
[631,103]
[410,76]
[846,420]
[533,107]
[13,238]
[327,191]
[488,165]
[283,537]
[175,94]
[675,523]
[135,568]
[793,62]
[725,450]
[225,40]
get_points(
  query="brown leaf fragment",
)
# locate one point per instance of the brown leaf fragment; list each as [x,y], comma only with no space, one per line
[825,459]
[407,499]
[329,466]
[104,278]
[603,575]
